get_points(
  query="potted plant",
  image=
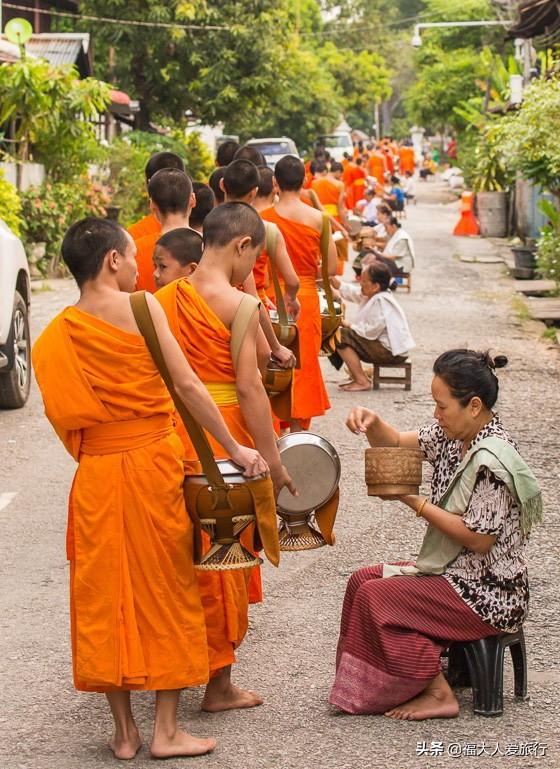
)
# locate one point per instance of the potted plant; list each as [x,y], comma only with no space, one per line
[490,181]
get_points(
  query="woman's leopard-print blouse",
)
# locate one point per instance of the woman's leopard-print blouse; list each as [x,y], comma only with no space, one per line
[493,584]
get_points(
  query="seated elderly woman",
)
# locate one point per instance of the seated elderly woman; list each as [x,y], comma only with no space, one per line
[398,253]
[469,580]
[378,334]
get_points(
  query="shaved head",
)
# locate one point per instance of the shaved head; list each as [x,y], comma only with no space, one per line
[250,153]
[184,245]
[289,173]
[171,190]
[231,221]
[205,201]
[163,160]
[214,184]
[226,152]
[240,177]
[86,244]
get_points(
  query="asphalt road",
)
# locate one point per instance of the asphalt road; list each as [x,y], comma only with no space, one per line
[289,653]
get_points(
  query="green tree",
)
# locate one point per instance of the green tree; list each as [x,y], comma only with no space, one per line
[362,80]
[47,111]
[445,78]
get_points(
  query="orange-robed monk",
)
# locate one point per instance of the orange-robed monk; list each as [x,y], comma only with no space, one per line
[201,310]
[137,621]
[329,188]
[301,227]
[149,225]
[171,199]
[240,184]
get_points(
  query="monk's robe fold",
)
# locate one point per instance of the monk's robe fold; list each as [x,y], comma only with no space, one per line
[328,193]
[136,616]
[145,262]
[303,243]
[148,225]
[205,342]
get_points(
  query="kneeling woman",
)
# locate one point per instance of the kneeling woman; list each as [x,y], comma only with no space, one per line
[379,333]
[470,578]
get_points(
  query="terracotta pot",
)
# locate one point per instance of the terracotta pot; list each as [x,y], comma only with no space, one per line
[393,471]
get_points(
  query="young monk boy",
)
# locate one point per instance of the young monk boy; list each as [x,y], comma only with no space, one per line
[149,225]
[240,184]
[136,617]
[171,200]
[301,225]
[176,255]
[201,310]
[266,195]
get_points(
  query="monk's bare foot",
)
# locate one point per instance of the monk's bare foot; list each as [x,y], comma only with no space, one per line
[229,699]
[355,387]
[127,747]
[436,701]
[180,744]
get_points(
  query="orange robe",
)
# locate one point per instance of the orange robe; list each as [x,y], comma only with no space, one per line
[145,261]
[407,160]
[308,179]
[377,166]
[136,617]
[148,225]
[358,185]
[261,275]
[328,193]
[205,341]
[309,396]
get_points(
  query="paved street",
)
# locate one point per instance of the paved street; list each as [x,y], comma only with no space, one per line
[289,653]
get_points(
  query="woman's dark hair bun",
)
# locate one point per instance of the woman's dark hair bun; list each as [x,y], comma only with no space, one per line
[500,361]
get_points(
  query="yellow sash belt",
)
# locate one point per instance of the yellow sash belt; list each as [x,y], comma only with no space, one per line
[331,209]
[222,393]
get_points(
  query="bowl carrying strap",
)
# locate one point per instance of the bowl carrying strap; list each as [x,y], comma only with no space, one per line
[199,440]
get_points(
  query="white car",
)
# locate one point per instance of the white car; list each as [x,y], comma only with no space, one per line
[336,144]
[15,343]
[274,149]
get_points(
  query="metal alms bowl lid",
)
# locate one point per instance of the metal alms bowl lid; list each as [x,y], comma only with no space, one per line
[274,317]
[231,472]
[314,467]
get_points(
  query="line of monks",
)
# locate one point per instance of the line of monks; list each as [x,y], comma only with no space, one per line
[376,160]
[142,617]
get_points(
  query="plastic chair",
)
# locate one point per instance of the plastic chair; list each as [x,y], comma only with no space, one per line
[480,664]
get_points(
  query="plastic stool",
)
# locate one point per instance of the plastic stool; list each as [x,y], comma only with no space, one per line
[480,664]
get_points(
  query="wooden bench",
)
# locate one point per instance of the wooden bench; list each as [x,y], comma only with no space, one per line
[534,287]
[379,379]
[406,284]
[545,309]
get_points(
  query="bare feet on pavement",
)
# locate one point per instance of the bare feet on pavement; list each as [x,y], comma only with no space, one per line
[180,744]
[126,748]
[355,386]
[218,699]
[436,701]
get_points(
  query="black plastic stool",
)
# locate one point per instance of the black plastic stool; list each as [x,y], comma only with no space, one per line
[480,664]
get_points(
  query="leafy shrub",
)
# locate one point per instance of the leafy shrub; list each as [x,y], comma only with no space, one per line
[126,159]
[10,205]
[48,211]
[548,244]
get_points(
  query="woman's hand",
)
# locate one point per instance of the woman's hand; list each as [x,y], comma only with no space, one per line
[360,419]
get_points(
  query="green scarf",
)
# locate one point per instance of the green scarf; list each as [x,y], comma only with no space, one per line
[503,460]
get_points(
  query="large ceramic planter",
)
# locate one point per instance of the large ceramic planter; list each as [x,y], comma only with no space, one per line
[492,214]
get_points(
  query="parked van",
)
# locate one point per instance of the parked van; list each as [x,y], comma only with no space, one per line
[274,149]
[336,144]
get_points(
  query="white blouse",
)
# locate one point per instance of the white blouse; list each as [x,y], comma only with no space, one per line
[380,317]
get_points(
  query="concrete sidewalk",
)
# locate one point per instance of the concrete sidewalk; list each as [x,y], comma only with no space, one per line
[289,654]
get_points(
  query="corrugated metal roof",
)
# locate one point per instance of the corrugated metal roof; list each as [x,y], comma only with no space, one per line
[58,48]
[8,51]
